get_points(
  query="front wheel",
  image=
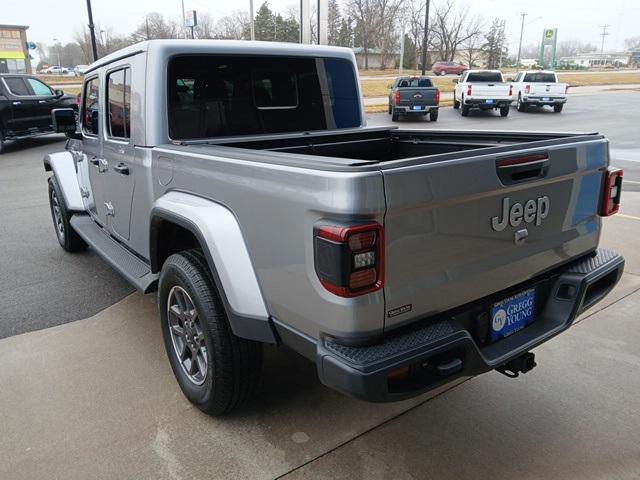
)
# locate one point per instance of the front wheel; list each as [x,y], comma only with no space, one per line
[68,238]
[390,109]
[442,73]
[2,142]
[558,107]
[216,370]
[433,115]
[456,104]
[504,111]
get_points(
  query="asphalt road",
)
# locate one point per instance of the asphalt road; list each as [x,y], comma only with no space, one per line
[42,286]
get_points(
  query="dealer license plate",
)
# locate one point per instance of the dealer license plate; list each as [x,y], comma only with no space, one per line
[512,314]
[417,107]
[488,102]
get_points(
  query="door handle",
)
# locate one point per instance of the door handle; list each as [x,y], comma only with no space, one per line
[17,103]
[122,169]
[42,101]
[95,161]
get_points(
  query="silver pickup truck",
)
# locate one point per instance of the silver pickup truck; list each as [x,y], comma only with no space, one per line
[239,181]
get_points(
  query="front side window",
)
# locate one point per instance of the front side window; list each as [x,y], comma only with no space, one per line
[119,103]
[17,86]
[40,89]
[217,95]
[91,106]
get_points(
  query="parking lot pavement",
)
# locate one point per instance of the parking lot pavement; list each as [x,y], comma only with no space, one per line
[40,284]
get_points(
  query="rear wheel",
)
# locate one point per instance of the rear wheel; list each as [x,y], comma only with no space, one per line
[67,237]
[216,370]
[433,115]
[465,108]
[442,73]
[2,143]
[504,111]
[395,116]
[520,105]
[558,107]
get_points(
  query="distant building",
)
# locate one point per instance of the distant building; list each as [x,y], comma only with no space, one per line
[376,58]
[597,59]
[14,55]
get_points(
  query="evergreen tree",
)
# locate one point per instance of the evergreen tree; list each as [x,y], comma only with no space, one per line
[495,48]
[265,23]
[409,60]
[345,37]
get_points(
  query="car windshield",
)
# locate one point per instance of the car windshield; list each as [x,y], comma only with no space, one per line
[217,95]
[485,77]
[540,77]
[415,82]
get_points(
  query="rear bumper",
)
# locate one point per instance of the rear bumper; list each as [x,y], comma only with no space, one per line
[409,108]
[441,350]
[482,103]
[542,101]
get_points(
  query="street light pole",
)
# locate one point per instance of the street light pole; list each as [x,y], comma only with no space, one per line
[425,45]
[251,26]
[58,53]
[520,44]
[92,32]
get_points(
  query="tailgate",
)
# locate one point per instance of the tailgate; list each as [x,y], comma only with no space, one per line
[449,240]
[548,89]
[417,96]
[489,90]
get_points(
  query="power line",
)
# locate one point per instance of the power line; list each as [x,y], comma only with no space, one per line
[603,34]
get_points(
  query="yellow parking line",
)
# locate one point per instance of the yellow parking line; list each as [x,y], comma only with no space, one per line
[630,217]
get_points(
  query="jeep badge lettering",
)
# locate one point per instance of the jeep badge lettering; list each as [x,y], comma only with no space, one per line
[533,211]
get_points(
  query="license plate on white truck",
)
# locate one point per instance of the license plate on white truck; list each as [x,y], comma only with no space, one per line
[512,314]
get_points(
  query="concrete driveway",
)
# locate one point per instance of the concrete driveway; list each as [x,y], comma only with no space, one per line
[96,399]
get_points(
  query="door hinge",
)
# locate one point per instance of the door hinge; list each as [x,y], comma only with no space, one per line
[110,210]
[84,192]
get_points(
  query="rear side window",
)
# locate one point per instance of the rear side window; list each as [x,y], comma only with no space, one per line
[91,106]
[484,77]
[40,89]
[119,103]
[415,82]
[217,95]
[540,77]
[17,86]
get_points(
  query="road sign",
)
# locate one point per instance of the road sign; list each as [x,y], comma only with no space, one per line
[190,18]
[549,36]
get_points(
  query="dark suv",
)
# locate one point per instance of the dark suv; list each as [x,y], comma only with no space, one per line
[442,68]
[25,107]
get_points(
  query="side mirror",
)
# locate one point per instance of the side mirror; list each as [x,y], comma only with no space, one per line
[510,79]
[455,80]
[64,120]
[58,92]
[390,86]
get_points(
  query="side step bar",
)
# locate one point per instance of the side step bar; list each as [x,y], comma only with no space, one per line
[132,268]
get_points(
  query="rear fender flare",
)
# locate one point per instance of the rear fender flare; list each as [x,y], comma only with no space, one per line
[64,169]
[218,232]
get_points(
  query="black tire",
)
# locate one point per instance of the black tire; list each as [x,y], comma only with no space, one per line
[456,104]
[433,115]
[2,142]
[395,116]
[235,363]
[504,111]
[520,105]
[558,107]
[390,109]
[68,238]
[464,111]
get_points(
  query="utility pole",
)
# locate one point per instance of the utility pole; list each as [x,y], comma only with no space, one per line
[523,15]
[603,34]
[425,45]
[401,51]
[92,32]
[184,20]
[251,19]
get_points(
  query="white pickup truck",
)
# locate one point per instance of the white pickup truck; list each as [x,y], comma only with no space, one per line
[539,88]
[482,89]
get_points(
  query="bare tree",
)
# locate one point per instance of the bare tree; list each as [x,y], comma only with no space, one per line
[362,11]
[386,20]
[155,26]
[414,23]
[205,27]
[472,46]
[452,27]
[234,26]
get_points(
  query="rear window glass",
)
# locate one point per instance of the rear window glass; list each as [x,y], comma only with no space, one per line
[540,77]
[217,95]
[484,77]
[414,82]
[17,86]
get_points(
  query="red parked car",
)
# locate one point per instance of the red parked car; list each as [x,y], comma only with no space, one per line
[442,68]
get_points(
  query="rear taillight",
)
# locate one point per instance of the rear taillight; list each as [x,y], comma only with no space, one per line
[527,89]
[510,90]
[611,191]
[437,97]
[397,97]
[349,259]
[469,91]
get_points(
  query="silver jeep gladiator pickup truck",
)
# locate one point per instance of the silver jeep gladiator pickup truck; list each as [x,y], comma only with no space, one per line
[239,181]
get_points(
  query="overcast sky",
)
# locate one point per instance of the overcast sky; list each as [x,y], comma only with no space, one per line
[579,19]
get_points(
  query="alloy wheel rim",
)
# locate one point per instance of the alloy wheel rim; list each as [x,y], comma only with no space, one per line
[187,335]
[57,215]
